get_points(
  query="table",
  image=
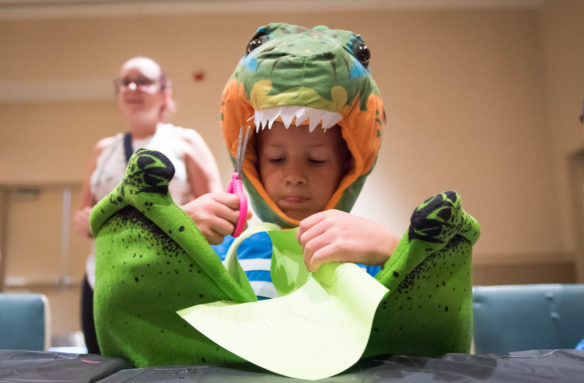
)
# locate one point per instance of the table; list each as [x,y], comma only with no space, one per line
[526,366]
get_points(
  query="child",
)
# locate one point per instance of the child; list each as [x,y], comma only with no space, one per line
[300,170]
[319,118]
[289,87]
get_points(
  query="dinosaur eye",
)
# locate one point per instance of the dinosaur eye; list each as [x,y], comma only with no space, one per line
[363,54]
[253,44]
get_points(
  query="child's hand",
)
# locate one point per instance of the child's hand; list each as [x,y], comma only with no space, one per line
[81,221]
[333,235]
[215,214]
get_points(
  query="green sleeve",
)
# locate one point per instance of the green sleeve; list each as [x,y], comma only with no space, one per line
[152,260]
[428,310]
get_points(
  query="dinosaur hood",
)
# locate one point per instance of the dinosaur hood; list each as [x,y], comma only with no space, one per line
[297,75]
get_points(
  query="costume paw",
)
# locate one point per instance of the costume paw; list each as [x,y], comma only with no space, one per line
[148,171]
[440,218]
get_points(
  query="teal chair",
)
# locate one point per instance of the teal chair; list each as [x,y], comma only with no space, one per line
[24,321]
[527,317]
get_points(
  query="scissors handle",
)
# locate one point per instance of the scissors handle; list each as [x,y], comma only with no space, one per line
[236,187]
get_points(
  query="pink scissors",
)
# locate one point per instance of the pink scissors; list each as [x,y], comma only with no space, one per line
[235,185]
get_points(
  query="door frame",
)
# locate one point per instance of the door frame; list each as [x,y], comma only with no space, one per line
[577,176]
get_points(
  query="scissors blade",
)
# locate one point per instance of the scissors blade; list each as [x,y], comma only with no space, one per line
[238,153]
[241,147]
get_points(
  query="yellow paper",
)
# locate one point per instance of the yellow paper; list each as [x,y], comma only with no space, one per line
[317,331]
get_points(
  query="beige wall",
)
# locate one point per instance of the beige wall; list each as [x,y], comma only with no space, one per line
[481,101]
[563,31]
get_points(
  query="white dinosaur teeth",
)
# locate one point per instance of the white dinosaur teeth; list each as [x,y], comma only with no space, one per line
[270,115]
[313,122]
[330,119]
[301,116]
[316,117]
[287,119]
[257,123]
[271,122]
[266,117]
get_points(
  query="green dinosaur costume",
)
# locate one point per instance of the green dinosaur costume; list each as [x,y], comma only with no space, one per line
[152,260]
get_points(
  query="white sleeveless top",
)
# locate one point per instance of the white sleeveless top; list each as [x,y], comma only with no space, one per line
[111,167]
[111,164]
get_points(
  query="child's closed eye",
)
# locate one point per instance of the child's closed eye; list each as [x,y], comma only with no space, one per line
[276,160]
[316,161]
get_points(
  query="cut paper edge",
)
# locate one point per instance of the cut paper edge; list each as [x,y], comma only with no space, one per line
[317,331]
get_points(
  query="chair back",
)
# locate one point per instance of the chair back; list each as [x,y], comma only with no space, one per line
[527,317]
[24,321]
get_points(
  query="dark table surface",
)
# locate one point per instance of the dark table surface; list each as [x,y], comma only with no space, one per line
[525,366]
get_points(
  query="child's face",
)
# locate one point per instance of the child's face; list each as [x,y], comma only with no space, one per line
[300,170]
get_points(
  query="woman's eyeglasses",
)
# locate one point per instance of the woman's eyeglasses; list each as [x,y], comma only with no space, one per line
[141,83]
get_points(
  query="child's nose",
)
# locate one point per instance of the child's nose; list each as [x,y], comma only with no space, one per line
[295,175]
[295,180]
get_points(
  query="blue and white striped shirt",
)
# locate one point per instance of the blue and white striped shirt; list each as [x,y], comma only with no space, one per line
[255,257]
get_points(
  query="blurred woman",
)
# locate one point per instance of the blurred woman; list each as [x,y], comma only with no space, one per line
[144,97]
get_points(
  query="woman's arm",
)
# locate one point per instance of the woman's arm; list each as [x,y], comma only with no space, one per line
[202,170]
[81,216]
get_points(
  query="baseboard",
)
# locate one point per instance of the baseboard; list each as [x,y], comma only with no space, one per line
[524,269]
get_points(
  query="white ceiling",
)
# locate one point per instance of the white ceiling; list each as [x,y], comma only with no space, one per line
[82,8]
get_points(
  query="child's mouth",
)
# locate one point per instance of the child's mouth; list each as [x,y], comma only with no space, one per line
[294,199]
